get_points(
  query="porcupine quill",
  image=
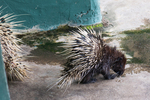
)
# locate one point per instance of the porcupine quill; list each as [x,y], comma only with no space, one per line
[11,51]
[88,56]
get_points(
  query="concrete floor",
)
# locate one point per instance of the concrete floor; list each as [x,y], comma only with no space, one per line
[45,66]
[133,85]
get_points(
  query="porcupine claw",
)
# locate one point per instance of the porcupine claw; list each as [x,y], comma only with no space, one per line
[119,73]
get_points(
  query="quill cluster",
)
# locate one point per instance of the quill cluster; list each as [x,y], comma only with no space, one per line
[11,51]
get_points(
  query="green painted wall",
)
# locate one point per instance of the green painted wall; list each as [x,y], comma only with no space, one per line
[49,14]
[4,94]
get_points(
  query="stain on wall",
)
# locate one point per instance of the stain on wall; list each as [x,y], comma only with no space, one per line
[49,14]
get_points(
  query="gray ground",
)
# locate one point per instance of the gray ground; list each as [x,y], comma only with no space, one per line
[133,85]
[45,66]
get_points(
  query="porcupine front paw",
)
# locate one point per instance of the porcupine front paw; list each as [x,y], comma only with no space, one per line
[92,80]
[110,76]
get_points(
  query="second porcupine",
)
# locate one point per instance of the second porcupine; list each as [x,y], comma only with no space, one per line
[87,56]
[12,53]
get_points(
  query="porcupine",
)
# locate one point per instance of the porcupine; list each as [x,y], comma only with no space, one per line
[87,56]
[11,51]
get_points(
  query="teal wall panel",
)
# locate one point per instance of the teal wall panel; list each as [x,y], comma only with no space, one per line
[49,14]
[4,93]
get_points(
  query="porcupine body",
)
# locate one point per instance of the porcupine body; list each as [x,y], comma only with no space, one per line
[87,56]
[11,52]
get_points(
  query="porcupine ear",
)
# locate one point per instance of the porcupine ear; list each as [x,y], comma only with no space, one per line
[11,51]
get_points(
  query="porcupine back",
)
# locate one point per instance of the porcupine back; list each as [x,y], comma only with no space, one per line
[11,51]
[84,55]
